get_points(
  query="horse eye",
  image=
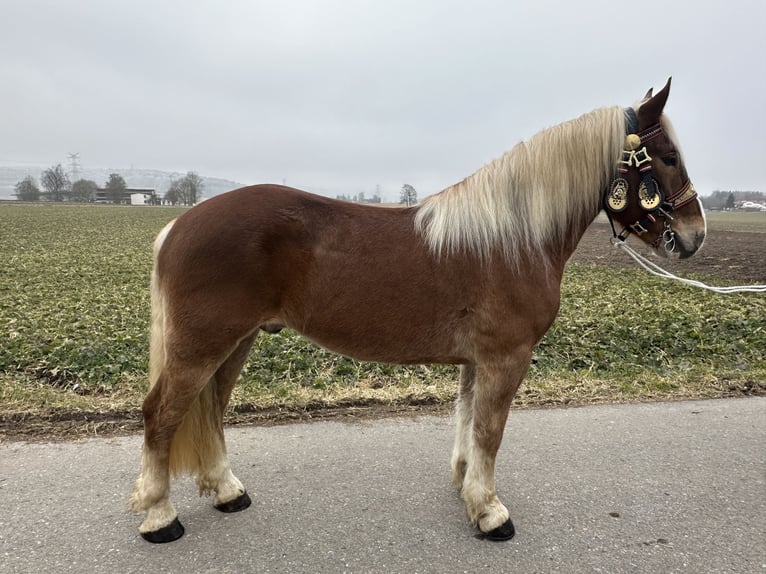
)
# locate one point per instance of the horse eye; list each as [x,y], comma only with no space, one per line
[669,160]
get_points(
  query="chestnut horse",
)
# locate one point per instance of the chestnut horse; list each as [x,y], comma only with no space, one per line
[470,276]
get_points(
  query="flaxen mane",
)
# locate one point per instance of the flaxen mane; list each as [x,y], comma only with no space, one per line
[525,201]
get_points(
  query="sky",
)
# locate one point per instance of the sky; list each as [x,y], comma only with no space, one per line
[343,96]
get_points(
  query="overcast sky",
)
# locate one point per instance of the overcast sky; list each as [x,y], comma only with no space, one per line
[339,96]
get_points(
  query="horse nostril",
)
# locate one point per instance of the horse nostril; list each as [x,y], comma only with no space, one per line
[687,251]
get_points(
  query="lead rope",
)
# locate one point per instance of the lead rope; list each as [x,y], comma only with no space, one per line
[658,271]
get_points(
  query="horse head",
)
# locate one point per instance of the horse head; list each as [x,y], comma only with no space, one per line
[652,196]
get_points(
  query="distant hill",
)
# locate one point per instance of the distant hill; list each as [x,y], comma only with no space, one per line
[134,177]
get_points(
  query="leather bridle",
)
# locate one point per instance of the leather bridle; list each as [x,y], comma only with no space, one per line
[652,201]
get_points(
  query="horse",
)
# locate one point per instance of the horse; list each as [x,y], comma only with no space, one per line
[470,276]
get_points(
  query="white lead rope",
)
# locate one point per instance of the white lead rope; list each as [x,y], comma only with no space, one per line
[655,269]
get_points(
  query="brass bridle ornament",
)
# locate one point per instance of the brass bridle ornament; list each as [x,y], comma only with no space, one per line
[651,198]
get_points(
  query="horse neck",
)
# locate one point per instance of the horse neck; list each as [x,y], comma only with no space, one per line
[571,165]
[534,202]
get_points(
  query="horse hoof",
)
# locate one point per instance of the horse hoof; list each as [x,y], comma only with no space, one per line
[239,503]
[172,531]
[502,533]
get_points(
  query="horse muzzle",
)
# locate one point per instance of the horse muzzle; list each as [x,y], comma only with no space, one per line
[686,246]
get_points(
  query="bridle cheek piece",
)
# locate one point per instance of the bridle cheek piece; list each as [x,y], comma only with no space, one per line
[651,199]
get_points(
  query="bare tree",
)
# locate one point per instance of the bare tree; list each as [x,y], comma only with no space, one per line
[172,195]
[185,191]
[56,183]
[408,195]
[84,190]
[27,190]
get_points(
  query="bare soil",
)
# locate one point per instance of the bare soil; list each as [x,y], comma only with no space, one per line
[34,427]
[738,256]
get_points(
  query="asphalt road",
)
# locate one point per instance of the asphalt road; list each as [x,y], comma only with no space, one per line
[660,488]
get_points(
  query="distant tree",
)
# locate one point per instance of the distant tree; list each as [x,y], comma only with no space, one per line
[185,191]
[730,201]
[56,183]
[408,195]
[83,191]
[172,195]
[27,190]
[193,187]
[115,188]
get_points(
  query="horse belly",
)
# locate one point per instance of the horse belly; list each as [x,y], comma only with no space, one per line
[376,316]
[391,352]
[403,343]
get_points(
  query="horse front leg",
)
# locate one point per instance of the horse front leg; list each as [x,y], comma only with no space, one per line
[464,424]
[495,386]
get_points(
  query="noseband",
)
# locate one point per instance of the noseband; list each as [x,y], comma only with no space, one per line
[651,199]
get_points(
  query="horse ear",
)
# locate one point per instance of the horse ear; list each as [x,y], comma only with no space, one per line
[648,95]
[650,111]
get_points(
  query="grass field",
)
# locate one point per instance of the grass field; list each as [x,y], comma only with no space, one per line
[753,221]
[74,312]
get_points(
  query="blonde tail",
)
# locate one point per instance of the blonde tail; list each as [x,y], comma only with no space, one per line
[157,337]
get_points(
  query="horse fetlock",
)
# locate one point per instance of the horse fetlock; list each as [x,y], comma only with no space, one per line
[143,498]
[206,486]
[474,505]
[159,517]
[136,501]
[227,488]
[483,507]
[493,516]
[459,467]
[136,504]
[223,496]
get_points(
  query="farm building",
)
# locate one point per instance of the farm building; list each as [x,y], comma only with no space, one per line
[130,196]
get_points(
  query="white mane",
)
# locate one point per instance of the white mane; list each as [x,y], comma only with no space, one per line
[532,197]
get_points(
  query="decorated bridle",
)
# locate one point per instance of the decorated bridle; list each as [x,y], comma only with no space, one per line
[651,199]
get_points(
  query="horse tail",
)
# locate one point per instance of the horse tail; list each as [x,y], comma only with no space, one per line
[157,336]
[197,439]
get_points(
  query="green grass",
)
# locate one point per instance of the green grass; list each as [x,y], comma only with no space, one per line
[752,221]
[73,302]
[74,313]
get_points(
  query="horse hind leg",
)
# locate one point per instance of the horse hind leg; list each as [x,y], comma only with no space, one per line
[183,433]
[164,409]
[183,430]
[215,475]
